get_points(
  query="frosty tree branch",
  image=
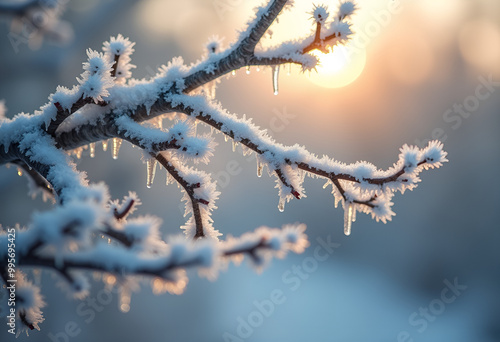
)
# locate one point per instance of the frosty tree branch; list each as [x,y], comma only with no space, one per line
[107,105]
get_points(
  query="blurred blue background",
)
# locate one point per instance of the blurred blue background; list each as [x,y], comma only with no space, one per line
[422,61]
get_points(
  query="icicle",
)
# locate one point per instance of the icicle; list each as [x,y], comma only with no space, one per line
[151,169]
[19,172]
[105,145]
[233,72]
[92,150]
[259,168]
[281,204]
[347,218]
[258,69]
[116,147]
[109,280]
[353,214]
[235,143]
[195,128]
[125,300]
[289,71]
[225,138]
[248,70]
[276,71]
[336,202]
[78,152]
[326,184]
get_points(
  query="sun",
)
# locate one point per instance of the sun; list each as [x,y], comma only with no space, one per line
[339,67]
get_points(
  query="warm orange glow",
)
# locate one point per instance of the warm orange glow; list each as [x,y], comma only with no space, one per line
[479,42]
[338,68]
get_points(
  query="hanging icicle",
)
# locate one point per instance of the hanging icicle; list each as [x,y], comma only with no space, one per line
[225,137]
[281,204]
[289,71]
[233,72]
[258,69]
[235,143]
[78,152]
[117,142]
[105,145]
[259,168]
[347,218]
[151,170]
[248,69]
[92,150]
[276,72]
[326,184]
[125,300]
[19,172]
[109,280]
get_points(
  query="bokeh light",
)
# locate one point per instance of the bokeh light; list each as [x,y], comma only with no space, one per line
[338,68]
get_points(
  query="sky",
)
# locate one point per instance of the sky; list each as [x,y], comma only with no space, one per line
[414,71]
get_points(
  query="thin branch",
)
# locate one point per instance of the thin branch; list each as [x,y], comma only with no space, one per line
[117,235]
[39,181]
[189,188]
[255,146]
[63,114]
[114,67]
[124,212]
[158,266]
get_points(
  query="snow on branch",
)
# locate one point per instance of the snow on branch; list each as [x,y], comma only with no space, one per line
[86,231]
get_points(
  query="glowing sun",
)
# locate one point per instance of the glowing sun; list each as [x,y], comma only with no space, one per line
[338,68]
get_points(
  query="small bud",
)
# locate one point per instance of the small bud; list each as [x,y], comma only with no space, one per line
[202,201]
[320,14]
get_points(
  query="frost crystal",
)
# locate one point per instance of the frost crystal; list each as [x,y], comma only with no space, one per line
[320,14]
[346,9]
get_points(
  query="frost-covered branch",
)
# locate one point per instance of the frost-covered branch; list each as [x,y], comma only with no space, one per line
[87,232]
[71,244]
